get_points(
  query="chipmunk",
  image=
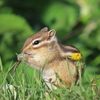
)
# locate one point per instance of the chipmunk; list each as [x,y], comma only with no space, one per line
[44,52]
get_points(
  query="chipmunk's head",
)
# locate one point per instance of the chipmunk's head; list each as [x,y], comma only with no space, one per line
[38,48]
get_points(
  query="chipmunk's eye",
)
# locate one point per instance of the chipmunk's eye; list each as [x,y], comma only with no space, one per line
[36,42]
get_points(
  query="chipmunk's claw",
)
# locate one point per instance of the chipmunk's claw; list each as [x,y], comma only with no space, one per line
[76,56]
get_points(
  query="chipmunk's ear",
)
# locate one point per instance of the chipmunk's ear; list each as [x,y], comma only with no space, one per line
[44,29]
[51,33]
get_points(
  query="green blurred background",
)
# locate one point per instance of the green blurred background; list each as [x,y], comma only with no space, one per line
[77,23]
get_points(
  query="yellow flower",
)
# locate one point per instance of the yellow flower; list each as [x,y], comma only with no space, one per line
[76,56]
[92,81]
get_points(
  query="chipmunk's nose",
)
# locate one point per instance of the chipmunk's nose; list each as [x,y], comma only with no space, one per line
[20,56]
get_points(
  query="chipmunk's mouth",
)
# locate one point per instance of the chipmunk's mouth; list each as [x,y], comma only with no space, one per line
[30,55]
[24,55]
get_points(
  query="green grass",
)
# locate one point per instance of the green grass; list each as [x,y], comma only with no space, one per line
[27,84]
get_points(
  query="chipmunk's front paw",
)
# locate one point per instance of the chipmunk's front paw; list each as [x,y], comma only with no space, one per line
[76,56]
